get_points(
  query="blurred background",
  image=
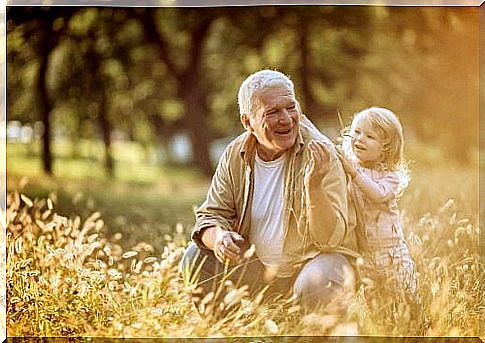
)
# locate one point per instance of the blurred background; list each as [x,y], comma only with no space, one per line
[126,111]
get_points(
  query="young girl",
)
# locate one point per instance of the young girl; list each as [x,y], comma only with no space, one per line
[373,158]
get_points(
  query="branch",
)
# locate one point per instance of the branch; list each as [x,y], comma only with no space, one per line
[153,36]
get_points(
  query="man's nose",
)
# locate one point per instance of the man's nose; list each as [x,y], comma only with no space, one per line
[284,117]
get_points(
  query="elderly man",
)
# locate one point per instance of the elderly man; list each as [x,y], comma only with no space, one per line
[280,187]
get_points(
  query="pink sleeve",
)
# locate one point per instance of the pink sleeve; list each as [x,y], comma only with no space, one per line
[380,190]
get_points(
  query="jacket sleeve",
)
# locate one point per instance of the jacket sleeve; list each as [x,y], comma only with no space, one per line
[335,186]
[378,191]
[218,208]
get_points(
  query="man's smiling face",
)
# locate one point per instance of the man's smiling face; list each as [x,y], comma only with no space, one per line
[274,122]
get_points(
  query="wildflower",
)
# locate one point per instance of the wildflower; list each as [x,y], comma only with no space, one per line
[149,260]
[179,228]
[46,214]
[250,252]
[446,206]
[271,327]
[208,298]
[92,238]
[99,225]
[18,245]
[27,201]
[129,254]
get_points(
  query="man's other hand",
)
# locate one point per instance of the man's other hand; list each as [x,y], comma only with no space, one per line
[225,244]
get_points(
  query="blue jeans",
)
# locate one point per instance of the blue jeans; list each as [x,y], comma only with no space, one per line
[324,281]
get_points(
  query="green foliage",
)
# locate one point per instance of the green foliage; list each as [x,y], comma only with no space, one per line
[420,62]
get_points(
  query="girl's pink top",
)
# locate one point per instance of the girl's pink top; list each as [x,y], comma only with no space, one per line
[376,194]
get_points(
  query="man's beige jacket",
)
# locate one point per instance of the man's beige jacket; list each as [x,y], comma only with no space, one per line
[228,202]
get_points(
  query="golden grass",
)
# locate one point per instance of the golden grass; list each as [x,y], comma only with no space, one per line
[65,278]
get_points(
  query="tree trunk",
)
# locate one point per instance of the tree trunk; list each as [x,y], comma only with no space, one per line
[196,122]
[106,130]
[44,104]
[313,106]
[189,87]
[48,38]
[309,102]
[192,91]
[103,116]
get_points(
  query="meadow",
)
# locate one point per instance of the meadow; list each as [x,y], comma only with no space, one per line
[90,256]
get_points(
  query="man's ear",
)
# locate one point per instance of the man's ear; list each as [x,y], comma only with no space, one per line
[246,123]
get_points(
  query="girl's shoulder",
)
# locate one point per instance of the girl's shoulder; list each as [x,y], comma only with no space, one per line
[392,179]
[399,178]
[377,172]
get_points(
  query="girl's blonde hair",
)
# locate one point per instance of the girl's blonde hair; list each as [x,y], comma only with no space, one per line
[390,130]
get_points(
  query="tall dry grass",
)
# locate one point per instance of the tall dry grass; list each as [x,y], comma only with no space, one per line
[65,277]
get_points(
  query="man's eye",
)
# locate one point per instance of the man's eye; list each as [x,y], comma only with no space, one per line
[291,108]
[270,114]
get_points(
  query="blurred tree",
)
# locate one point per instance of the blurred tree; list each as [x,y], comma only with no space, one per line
[184,63]
[235,49]
[320,47]
[331,42]
[423,63]
[150,73]
[99,83]
[80,80]
[43,26]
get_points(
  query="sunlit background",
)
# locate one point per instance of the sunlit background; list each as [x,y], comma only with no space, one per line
[121,98]
[119,115]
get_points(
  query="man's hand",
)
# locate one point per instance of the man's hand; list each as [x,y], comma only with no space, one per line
[225,244]
[226,247]
[321,216]
[319,163]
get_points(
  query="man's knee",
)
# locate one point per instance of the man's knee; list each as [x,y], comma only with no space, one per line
[324,279]
[192,264]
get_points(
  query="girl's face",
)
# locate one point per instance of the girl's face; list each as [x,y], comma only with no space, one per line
[366,141]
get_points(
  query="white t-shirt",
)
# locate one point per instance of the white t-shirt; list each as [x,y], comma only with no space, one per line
[267,226]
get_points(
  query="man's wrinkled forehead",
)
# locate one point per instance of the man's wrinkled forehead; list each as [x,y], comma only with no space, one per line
[286,91]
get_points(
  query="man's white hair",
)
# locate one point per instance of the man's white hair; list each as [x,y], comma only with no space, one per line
[258,81]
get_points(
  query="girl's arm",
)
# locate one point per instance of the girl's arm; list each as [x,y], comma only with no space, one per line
[377,190]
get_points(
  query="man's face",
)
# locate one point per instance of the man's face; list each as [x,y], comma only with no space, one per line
[274,122]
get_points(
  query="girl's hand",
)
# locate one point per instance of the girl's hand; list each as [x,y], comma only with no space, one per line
[348,166]
[319,163]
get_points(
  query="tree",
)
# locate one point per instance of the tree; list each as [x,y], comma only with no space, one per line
[44,26]
[188,75]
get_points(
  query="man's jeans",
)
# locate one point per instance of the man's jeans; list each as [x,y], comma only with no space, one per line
[324,282]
